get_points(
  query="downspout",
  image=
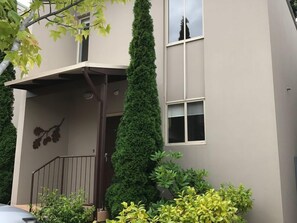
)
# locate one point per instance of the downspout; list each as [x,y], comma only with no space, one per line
[100,150]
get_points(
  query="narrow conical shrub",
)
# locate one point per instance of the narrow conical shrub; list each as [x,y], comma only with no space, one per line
[7,134]
[139,134]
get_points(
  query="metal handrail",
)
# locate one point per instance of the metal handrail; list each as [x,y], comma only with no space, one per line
[57,157]
[56,180]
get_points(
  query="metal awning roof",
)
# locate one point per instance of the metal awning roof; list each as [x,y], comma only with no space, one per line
[67,74]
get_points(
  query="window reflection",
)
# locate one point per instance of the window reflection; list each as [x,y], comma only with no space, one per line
[194,15]
[182,31]
[176,12]
[185,19]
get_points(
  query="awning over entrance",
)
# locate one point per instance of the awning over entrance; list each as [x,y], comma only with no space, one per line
[97,78]
[68,74]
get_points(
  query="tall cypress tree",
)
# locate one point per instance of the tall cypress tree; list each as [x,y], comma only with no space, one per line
[139,134]
[7,134]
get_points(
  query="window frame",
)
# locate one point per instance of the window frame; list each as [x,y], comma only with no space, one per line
[186,142]
[168,44]
[82,19]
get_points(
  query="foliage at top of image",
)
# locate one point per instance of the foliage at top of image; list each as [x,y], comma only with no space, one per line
[139,134]
[56,208]
[60,16]
[7,134]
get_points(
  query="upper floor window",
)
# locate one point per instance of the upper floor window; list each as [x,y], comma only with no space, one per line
[83,48]
[185,19]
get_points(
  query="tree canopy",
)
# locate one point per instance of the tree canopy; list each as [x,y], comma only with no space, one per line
[62,16]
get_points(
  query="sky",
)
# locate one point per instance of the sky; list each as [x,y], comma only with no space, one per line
[24,2]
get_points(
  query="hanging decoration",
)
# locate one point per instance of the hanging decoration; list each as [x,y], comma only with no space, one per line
[46,136]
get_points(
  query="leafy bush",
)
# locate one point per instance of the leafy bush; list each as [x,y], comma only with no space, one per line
[56,208]
[190,207]
[170,176]
[240,197]
[132,213]
[222,206]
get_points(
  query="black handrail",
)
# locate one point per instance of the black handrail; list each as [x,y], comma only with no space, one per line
[59,175]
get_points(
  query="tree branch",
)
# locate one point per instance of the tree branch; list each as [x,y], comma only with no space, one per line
[54,13]
[60,24]
[16,44]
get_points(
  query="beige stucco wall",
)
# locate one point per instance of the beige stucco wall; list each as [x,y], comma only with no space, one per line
[83,117]
[114,48]
[284,53]
[55,54]
[83,122]
[44,112]
[241,134]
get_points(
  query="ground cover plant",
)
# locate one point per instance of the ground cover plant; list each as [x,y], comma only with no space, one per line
[211,207]
[190,197]
[56,208]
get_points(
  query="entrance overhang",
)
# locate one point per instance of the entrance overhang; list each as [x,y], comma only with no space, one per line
[92,74]
[68,74]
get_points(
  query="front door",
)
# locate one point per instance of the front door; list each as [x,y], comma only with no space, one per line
[112,124]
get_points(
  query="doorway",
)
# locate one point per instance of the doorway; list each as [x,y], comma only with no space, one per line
[112,124]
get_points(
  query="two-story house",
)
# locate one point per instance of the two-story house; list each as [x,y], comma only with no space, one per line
[227,80]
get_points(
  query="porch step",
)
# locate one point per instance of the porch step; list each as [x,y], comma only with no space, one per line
[25,207]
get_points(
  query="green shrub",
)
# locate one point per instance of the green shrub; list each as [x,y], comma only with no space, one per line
[139,133]
[222,206]
[240,197]
[132,213]
[170,176]
[56,208]
[190,207]
[7,134]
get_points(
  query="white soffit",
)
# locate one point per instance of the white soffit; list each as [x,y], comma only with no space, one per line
[63,73]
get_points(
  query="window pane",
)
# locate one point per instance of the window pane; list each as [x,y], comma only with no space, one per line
[84,45]
[176,111]
[176,14]
[194,18]
[84,49]
[176,123]
[195,121]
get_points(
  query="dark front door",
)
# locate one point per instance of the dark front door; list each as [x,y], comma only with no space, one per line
[112,124]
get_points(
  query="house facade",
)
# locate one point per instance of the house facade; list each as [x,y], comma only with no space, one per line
[227,81]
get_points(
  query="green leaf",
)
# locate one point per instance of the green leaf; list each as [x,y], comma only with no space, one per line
[38,59]
[14,16]
[55,34]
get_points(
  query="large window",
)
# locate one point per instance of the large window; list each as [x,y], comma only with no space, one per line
[186,128]
[185,19]
[83,48]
